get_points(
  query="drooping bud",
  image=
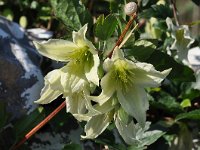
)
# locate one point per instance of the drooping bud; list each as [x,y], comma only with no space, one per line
[130,8]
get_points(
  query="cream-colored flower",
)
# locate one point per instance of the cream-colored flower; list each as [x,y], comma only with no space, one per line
[74,79]
[127,81]
[81,51]
[182,40]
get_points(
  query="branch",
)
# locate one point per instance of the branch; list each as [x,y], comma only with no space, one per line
[40,125]
[120,39]
[175,11]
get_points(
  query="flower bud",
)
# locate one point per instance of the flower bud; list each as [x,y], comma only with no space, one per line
[130,8]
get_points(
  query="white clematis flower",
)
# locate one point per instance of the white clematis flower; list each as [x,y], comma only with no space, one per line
[81,51]
[128,80]
[74,79]
[182,40]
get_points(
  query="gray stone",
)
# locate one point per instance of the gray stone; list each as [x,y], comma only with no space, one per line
[21,79]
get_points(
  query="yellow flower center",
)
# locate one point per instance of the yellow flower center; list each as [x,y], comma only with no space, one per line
[123,75]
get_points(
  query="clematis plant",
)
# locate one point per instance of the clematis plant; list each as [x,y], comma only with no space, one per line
[74,79]
[123,96]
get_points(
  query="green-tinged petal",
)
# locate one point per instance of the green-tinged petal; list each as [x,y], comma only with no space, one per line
[91,110]
[52,88]
[108,89]
[135,103]
[77,107]
[80,105]
[56,49]
[96,125]
[72,79]
[53,78]
[145,75]
[107,106]
[92,72]
[117,54]
[123,116]
[127,131]
[48,95]
[76,103]
[80,39]
[107,64]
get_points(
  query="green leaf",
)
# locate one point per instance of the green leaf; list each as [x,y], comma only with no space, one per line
[105,27]
[72,13]
[24,125]
[141,50]
[162,61]
[186,103]
[151,136]
[72,146]
[166,103]
[197,2]
[145,2]
[193,115]
[157,11]
[144,50]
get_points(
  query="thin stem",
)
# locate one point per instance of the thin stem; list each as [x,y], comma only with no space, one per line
[120,39]
[175,11]
[40,125]
[128,36]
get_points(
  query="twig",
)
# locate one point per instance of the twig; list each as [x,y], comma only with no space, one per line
[120,39]
[39,126]
[175,11]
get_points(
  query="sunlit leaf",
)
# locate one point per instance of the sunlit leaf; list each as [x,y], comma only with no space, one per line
[192,115]
[71,12]
[105,26]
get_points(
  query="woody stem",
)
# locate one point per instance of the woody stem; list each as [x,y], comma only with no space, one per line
[120,39]
[40,125]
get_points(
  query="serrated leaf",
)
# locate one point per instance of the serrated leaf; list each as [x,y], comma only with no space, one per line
[167,103]
[151,136]
[141,50]
[144,50]
[105,27]
[162,61]
[193,115]
[72,13]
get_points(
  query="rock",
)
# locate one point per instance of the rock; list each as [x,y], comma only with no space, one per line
[21,79]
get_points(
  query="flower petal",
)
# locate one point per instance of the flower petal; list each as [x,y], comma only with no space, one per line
[96,125]
[135,103]
[107,106]
[92,74]
[108,89]
[117,54]
[52,88]
[73,78]
[80,39]
[48,95]
[145,75]
[56,49]
[127,132]
[76,105]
